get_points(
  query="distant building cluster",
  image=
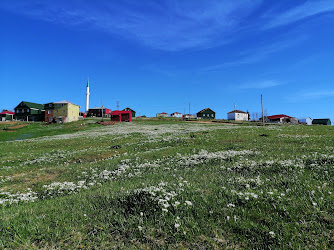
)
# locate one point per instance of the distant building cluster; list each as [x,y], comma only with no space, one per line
[60,112]
[65,111]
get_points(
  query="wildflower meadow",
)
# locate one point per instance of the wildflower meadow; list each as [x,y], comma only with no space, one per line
[166,184]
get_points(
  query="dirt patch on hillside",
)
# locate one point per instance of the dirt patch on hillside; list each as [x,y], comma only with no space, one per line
[18,126]
[106,123]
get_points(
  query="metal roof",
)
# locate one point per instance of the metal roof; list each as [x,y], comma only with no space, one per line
[66,102]
[206,109]
[7,113]
[237,111]
[272,117]
[32,105]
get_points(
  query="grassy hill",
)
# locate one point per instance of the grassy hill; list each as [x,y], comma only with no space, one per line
[165,183]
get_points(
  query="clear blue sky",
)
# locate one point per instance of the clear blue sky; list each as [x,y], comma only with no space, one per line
[162,55]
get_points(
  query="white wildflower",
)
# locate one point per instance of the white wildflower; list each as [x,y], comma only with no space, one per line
[189,203]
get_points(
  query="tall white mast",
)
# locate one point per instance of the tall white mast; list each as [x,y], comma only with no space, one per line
[87,96]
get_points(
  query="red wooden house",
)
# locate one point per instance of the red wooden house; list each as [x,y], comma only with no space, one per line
[121,116]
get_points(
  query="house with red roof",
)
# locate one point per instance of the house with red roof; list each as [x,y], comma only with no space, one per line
[176,114]
[282,119]
[6,115]
[163,114]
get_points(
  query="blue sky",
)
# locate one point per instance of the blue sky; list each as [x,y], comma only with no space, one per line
[163,55]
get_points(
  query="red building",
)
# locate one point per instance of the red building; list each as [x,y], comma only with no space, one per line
[277,118]
[121,116]
[6,115]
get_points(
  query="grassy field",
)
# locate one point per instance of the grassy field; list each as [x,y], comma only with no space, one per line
[166,184]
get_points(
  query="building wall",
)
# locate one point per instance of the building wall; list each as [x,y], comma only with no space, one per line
[48,115]
[207,114]
[162,115]
[73,112]
[177,115]
[231,116]
[67,112]
[308,121]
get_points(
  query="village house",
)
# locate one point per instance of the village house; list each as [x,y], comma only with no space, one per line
[189,116]
[238,115]
[282,119]
[29,111]
[121,116]
[6,115]
[61,112]
[305,121]
[132,111]
[98,111]
[206,114]
[325,121]
[163,114]
[176,114]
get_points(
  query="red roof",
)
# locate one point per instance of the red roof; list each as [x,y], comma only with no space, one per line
[237,111]
[163,113]
[273,117]
[7,112]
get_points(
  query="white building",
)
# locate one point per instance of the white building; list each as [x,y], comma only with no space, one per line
[237,115]
[176,114]
[189,116]
[307,121]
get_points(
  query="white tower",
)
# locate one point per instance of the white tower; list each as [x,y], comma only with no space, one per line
[87,96]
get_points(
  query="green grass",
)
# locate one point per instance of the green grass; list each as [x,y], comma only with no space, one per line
[168,184]
[25,130]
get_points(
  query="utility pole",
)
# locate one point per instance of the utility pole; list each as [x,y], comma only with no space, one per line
[262,109]
[189,108]
[139,110]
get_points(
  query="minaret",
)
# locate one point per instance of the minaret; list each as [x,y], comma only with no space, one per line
[87,96]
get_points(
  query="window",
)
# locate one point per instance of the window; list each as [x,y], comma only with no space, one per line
[27,110]
[63,111]
[212,115]
[50,105]
[49,111]
[16,111]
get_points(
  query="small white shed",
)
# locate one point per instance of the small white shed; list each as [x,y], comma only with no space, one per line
[307,120]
